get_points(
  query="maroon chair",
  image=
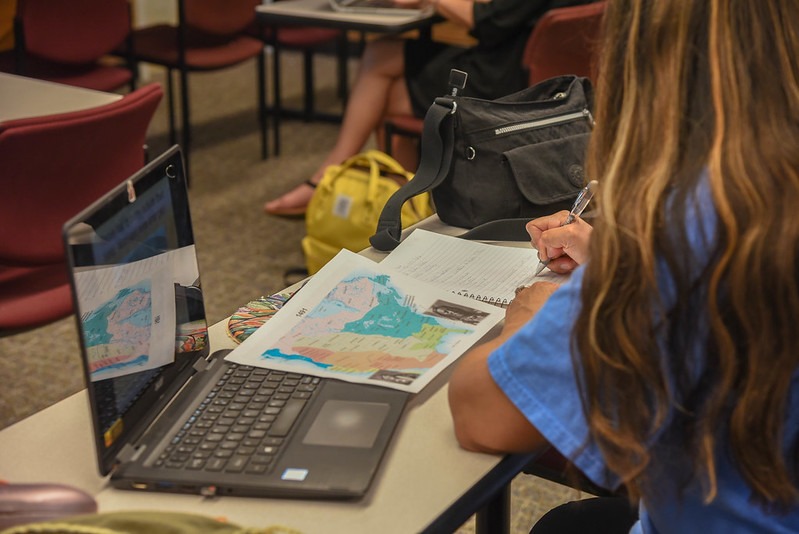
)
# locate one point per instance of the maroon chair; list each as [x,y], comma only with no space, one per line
[562,42]
[52,167]
[210,35]
[70,42]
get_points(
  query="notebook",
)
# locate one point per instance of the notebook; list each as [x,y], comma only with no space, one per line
[482,271]
[382,7]
[168,414]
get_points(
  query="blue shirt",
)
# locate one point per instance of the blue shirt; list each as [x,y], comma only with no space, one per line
[535,370]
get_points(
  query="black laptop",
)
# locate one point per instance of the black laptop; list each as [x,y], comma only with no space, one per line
[168,414]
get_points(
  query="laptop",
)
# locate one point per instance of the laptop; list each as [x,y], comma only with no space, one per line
[381,7]
[168,414]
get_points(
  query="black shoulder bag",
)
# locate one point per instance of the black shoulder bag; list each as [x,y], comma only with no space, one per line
[493,165]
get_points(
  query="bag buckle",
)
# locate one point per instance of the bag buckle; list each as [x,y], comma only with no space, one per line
[446,102]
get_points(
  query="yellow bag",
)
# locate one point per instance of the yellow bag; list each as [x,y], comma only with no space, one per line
[347,203]
[141,522]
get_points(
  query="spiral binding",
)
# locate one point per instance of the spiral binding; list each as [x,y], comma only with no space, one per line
[496,301]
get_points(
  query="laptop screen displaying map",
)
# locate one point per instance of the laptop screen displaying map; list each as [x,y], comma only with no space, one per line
[168,414]
[139,299]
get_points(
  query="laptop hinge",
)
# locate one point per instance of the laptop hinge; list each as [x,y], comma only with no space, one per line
[126,454]
[206,364]
[201,365]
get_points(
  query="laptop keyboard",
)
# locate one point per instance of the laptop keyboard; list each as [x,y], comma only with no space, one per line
[241,425]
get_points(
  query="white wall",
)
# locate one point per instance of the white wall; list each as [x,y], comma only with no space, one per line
[148,12]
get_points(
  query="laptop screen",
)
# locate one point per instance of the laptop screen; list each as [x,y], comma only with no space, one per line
[138,300]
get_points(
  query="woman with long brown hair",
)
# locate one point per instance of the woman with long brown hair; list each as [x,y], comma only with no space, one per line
[668,364]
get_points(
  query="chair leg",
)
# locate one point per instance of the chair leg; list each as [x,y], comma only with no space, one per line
[186,125]
[262,120]
[130,56]
[277,107]
[134,69]
[307,63]
[343,53]
[171,100]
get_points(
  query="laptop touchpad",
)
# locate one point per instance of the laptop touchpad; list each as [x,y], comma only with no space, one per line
[347,424]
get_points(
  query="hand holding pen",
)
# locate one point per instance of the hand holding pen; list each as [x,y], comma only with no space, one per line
[573,240]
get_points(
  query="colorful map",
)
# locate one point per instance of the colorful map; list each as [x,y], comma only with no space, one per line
[357,322]
[117,333]
[366,326]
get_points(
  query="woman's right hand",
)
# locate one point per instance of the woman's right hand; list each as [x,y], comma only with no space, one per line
[565,246]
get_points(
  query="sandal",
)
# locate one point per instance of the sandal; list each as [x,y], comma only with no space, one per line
[281,206]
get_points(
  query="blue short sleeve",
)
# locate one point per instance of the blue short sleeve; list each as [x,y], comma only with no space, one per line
[534,369]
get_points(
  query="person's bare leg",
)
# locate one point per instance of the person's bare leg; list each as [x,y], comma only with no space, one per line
[378,89]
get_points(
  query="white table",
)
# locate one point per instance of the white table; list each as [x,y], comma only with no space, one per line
[22,97]
[425,476]
[319,13]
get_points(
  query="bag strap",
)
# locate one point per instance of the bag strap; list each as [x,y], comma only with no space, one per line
[438,134]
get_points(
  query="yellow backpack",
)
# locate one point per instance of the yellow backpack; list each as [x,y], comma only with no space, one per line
[347,203]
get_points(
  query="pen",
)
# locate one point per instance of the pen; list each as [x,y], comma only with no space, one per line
[579,206]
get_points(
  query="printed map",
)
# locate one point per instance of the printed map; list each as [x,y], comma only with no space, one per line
[365,326]
[117,333]
[357,322]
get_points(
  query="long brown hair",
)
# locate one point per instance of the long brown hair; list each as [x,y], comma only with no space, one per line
[686,86]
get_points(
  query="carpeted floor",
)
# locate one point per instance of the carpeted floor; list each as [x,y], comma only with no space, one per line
[243,253]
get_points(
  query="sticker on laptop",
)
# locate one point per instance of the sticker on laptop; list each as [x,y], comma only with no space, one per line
[294,474]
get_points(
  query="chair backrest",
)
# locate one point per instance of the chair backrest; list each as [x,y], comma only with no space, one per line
[563,41]
[52,167]
[219,17]
[73,31]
